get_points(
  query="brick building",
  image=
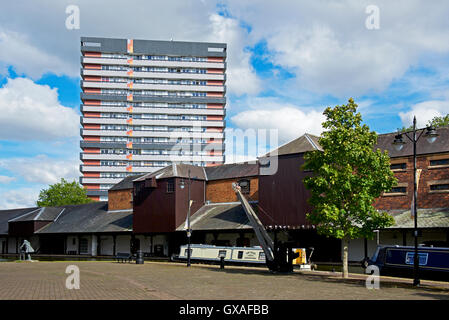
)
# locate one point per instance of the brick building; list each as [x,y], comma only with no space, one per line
[160,203]
[283,196]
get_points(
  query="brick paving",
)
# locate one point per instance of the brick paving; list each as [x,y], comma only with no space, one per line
[108,280]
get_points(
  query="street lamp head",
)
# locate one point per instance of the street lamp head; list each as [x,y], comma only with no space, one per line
[398,142]
[431,134]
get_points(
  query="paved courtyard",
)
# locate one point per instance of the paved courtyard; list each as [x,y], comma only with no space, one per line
[157,280]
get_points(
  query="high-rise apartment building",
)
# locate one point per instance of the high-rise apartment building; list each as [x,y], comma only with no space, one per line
[146,104]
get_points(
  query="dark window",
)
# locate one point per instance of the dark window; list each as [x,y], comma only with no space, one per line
[84,246]
[261,256]
[398,166]
[170,186]
[439,187]
[222,253]
[398,190]
[73,241]
[244,185]
[240,255]
[440,162]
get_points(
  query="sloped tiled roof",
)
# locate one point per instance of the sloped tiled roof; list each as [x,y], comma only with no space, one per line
[40,214]
[304,143]
[180,170]
[7,215]
[218,216]
[90,218]
[126,183]
[441,144]
[427,218]
[232,170]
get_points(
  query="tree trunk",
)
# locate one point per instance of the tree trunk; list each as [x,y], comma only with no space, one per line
[345,257]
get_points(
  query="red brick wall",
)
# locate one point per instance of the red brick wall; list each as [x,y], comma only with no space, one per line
[120,199]
[221,190]
[426,197]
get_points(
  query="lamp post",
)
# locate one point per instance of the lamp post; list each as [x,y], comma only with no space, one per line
[189,232]
[398,142]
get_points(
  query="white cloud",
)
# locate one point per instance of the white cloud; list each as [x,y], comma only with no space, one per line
[32,112]
[36,47]
[42,169]
[328,47]
[16,50]
[241,78]
[6,179]
[19,198]
[290,121]
[424,112]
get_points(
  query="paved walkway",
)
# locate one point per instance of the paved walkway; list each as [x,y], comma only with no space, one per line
[157,280]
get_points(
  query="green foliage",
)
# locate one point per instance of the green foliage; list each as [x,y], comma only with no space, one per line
[348,176]
[62,193]
[439,122]
[436,122]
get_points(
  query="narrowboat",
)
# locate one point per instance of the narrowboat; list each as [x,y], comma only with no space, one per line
[235,255]
[399,261]
[211,254]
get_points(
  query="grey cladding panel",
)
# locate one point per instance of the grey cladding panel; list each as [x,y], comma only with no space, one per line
[106,45]
[197,49]
[156,47]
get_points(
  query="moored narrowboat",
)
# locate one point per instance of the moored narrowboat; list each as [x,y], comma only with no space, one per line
[399,261]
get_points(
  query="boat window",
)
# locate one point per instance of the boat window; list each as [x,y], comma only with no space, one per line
[222,253]
[262,256]
[240,255]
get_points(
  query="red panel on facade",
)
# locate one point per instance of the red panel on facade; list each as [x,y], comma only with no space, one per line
[92,90]
[91,150]
[91,174]
[214,94]
[214,83]
[91,162]
[92,54]
[92,114]
[215,71]
[91,138]
[214,106]
[214,118]
[92,78]
[92,102]
[89,126]
[215,59]
[92,66]
[91,186]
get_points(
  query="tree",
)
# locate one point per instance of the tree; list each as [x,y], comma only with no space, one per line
[348,175]
[62,193]
[436,122]
[439,122]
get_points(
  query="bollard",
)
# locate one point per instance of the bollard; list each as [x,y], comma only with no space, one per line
[222,265]
[139,257]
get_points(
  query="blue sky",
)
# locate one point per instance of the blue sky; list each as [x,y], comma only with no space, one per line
[287,61]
